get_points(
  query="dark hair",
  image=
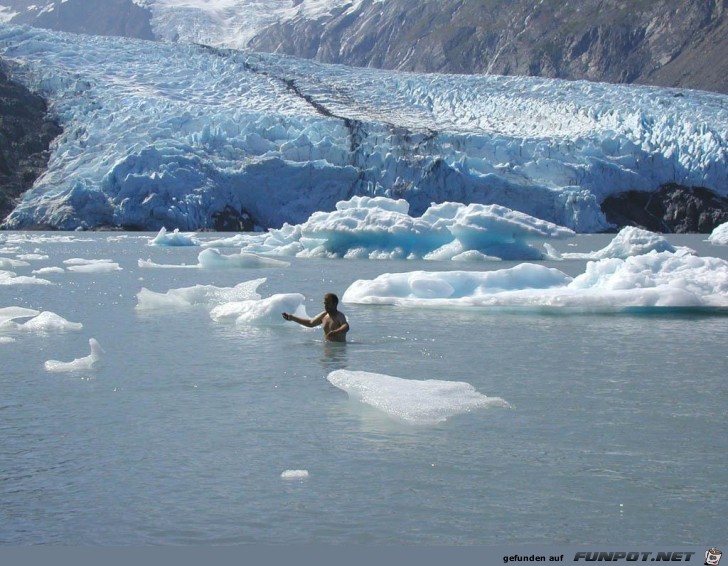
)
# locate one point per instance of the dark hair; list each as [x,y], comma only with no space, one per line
[333,297]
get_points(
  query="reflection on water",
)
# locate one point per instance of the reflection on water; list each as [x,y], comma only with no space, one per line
[333,356]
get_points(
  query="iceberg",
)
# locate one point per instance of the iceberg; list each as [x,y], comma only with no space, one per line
[12,278]
[655,280]
[630,241]
[85,363]
[265,311]
[205,295]
[187,137]
[423,402]
[9,314]
[80,265]
[213,258]
[49,322]
[719,236]
[381,228]
[176,238]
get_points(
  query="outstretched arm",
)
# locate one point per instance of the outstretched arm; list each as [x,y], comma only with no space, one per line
[310,322]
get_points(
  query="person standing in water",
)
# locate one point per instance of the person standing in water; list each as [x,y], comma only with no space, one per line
[334,321]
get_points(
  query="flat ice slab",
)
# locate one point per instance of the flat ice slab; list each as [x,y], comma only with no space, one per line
[428,401]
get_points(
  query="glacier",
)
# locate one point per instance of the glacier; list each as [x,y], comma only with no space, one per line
[161,135]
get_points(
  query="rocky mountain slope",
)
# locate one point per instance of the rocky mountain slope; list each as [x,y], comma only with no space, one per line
[657,42]
[26,132]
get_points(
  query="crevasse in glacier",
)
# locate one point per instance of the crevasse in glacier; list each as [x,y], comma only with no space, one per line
[167,135]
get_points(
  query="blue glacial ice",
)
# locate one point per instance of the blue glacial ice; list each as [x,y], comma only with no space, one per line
[178,136]
[382,228]
[653,280]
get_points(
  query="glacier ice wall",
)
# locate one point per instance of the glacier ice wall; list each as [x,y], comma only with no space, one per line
[169,135]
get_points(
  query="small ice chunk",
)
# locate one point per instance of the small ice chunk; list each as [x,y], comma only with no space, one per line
[92,265]
[49,322]
[79,364]
[176,238]
[294,474]
[212,258]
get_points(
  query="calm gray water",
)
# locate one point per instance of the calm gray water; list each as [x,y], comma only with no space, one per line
[617,432]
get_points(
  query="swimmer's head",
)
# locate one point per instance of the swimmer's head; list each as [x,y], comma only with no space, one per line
[331,302]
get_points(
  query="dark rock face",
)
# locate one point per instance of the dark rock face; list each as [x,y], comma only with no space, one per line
[231,220]
[26,132]
[671,209]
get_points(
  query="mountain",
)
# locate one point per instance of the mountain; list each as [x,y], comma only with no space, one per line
[26,131]
[100,17]
[158,134]
[670,43]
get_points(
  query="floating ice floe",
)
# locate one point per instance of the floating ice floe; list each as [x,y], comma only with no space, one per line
[428,401]
[630,241]
[176,238]
[81,265]
[11,278]
[33,257]
[9,264]
[212,258]
[9,314]
[49,322]
[294,474]
[204,295]
[381,228]
[262,311]
[655,279]
[79,364]
[45,321]
[48,270]
[719,236]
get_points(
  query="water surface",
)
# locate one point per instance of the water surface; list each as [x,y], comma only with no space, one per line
[616,435]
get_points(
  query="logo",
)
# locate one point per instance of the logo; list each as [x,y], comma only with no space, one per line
[713,556]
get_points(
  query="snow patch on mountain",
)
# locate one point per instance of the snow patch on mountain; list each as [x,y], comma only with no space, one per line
[232,23]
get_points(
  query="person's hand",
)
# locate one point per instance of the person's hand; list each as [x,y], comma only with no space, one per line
[286,316]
